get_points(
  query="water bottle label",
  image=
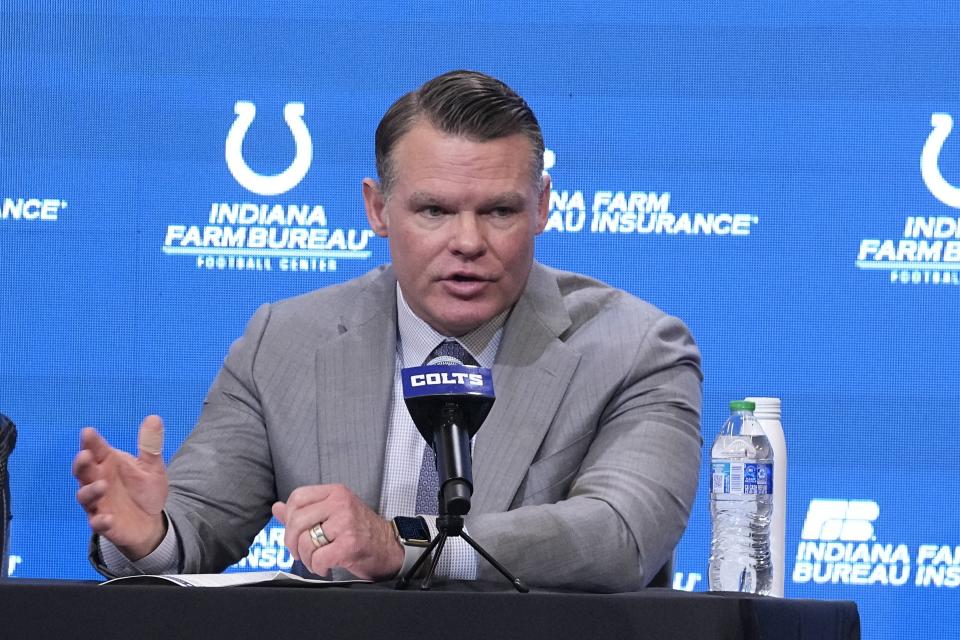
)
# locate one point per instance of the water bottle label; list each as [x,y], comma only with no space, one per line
[742,478]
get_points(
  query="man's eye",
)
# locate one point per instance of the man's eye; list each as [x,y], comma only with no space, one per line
[431,212]
[502,212]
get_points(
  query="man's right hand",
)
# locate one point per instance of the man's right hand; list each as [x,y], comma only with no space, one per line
[122,495]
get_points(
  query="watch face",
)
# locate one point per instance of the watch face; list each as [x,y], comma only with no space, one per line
[412,531]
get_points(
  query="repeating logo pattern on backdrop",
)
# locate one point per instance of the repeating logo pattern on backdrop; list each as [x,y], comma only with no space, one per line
[929,250]
[266,553]
[267,236]
[32,209]
[632,212]
[286,179]
[839,545]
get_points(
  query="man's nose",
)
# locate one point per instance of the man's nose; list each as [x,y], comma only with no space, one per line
[467,237]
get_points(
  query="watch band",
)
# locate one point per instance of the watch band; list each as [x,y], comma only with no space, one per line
[414,536]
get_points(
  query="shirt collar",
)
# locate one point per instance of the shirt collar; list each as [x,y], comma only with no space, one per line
[417,338]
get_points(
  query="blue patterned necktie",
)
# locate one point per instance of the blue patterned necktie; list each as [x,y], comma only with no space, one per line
[428,487]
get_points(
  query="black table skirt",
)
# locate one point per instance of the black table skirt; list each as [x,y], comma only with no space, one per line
[57,609]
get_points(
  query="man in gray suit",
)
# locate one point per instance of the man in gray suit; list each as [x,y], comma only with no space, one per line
[585,469]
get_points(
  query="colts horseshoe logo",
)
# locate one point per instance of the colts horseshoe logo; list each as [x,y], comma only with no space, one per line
[929,161]
[288,178]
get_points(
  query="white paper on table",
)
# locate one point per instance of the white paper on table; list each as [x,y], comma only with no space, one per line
[259,578]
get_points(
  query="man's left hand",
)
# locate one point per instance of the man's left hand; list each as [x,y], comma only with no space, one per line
[358,539]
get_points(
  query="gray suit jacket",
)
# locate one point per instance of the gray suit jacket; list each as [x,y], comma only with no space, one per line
[585,470]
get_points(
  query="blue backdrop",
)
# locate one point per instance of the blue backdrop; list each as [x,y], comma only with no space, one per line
[753,170]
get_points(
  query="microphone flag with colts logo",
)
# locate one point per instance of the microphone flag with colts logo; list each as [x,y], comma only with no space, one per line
[427,389]
[445,379]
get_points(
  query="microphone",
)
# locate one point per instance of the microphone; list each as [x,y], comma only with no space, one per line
[448,402]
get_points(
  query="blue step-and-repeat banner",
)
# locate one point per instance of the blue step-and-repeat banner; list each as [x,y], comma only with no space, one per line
[783,178]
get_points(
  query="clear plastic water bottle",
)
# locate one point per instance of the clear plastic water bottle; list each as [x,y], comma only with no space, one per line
[741,503]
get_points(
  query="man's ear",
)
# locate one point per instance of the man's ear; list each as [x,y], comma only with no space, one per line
[375,204]
[543,206]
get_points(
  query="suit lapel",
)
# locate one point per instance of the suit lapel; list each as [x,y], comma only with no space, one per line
[354,387]
[531,374]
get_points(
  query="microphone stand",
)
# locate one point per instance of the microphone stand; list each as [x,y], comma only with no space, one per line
[452,526]
[451,443]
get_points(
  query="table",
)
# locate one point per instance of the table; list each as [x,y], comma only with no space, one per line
[41,609]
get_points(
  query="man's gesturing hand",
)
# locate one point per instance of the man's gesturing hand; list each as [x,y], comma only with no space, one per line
[360,541]
[122,495]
